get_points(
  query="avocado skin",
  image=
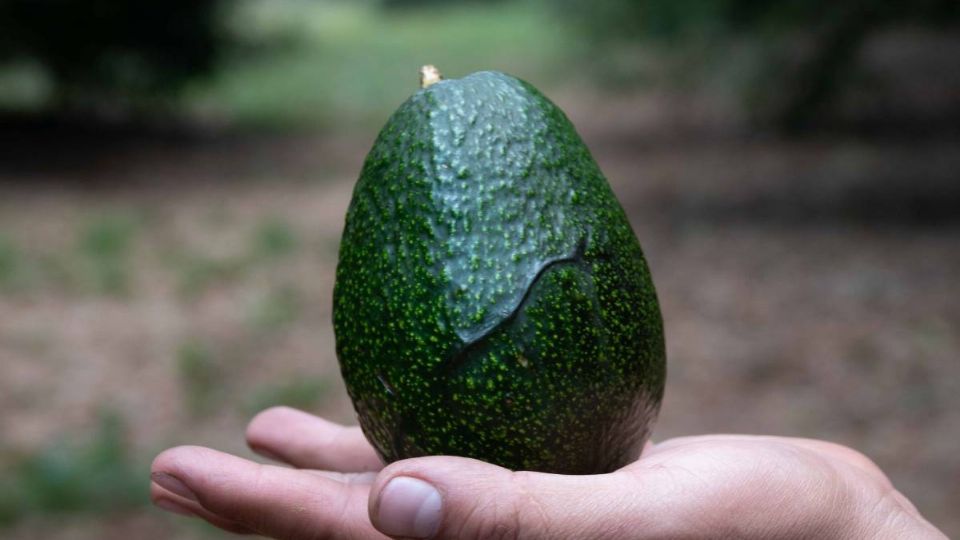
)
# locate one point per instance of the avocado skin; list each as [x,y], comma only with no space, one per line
[491,299]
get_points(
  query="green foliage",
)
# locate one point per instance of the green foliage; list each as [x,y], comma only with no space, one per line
[264,62]
[98,475]
[302,393]
[801,51]
[96,52]
[349,62]
[676,21]
[105,244]
[200,376]
[406,4]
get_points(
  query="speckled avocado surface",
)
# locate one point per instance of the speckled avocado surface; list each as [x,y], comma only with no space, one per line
[491,299]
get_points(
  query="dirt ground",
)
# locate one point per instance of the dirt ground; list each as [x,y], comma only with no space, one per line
[809,288]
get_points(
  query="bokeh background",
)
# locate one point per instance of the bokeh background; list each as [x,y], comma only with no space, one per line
[174,177]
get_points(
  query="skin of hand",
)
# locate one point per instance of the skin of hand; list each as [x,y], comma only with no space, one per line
[713,486]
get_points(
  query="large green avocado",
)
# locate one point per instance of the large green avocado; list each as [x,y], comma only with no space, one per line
[491,298]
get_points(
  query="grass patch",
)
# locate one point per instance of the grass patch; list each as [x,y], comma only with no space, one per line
[302,393]
[200,375]
[11,265]
[96,476]
[196,273]
[279,308]
[273,239]
[104,245]
[56,271]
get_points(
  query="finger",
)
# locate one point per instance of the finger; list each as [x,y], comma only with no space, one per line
[310,442]
[363,478]
[448,497]
[273,501]
[176,504]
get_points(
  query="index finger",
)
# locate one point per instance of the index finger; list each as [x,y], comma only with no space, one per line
[274,501]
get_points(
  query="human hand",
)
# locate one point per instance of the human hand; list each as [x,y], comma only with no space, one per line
[713,486]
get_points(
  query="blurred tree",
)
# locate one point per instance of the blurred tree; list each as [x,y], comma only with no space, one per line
[108,52]
[401,4]
[808,47]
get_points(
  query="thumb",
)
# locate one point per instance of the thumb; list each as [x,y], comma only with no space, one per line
[450,497]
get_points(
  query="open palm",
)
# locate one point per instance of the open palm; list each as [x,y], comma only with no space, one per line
[714,486]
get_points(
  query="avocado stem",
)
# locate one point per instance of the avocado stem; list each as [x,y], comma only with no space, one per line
[429,74]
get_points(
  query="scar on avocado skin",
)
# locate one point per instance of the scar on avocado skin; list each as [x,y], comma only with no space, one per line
[454,361]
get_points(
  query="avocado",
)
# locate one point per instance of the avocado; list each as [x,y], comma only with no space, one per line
[491,298]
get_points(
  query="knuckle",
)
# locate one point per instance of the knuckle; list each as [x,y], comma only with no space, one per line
[862,460]
[859,460]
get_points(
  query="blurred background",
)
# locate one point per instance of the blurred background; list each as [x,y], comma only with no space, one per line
[174,176]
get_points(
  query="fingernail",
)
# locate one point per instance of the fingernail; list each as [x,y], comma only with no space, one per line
[173,507]
[409,507]
[173,484]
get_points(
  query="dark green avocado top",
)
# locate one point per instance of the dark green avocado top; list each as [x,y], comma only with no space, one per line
[491,298]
